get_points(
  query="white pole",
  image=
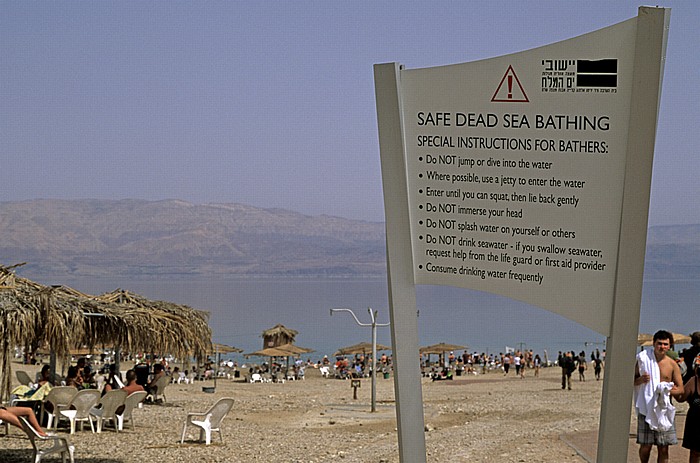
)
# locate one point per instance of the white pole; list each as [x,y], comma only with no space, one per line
[402,289]
[650,50]
[374,326]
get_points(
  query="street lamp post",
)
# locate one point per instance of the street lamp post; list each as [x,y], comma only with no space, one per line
[374,325]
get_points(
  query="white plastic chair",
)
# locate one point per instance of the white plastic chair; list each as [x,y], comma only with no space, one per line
[130,403]
[79,408]
[209,421]
[59,397]
[159,386]
[256,378]
[325,371]
[23,378]
[110,403]
[59,444]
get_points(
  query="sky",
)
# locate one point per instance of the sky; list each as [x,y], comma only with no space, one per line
[272,103]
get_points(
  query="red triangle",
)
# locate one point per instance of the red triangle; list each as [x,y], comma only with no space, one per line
[510,90]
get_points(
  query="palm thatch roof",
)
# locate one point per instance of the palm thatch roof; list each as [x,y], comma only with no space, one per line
[32,314]
[159,326]
[279,329]
[277,336]
[360,348]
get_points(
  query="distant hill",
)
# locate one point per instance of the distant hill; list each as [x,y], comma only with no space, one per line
[134,237]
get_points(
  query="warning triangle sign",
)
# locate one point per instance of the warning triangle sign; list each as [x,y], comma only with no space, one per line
[510,90]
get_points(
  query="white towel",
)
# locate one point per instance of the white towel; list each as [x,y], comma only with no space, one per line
[662,412]
[653,398]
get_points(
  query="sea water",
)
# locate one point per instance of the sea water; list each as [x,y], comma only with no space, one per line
[242,308]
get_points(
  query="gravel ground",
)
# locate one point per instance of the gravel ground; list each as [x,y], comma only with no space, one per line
[482,418]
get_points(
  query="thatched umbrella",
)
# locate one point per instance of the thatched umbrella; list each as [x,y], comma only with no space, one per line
[294,350]
[32,314]
[162,326]
[440,349]
[360,348]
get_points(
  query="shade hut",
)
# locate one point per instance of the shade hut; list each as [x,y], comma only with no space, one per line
[278,335]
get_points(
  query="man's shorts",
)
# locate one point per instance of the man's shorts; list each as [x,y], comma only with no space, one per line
[647,436]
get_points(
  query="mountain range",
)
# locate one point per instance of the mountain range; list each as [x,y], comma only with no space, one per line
[173,237]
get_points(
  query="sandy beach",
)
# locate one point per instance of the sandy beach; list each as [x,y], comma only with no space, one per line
[475,418]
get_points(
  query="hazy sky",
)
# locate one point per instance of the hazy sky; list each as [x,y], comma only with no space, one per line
[271,103]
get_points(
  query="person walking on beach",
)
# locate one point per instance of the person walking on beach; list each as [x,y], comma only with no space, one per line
[657,378]
[567,364]
[582,366]
[597,367]
[691,393]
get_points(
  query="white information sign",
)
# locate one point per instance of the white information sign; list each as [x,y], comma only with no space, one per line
[515,172]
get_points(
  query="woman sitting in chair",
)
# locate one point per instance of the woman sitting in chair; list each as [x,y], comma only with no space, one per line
[11,415]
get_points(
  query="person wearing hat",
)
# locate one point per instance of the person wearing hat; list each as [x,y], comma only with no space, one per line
[691,393]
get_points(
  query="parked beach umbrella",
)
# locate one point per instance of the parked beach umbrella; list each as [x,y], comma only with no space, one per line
[270,352]
[217,348]
[440,348]
[680,339]
[293,349]
[360,348]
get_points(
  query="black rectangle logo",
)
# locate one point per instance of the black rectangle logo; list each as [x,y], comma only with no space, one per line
[601,66]
[596,80]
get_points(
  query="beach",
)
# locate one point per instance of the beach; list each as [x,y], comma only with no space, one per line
[476,418]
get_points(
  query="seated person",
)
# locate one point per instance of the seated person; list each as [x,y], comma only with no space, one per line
[131,385]
[157,374]
[86,372]
[44,376]
[113,380]
[11,415]
[74,378]
[142,370]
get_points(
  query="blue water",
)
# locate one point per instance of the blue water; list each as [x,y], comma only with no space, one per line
[241,309]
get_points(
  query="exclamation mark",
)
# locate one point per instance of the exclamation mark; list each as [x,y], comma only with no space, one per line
[510,87]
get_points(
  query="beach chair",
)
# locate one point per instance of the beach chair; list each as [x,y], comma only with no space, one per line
[256,378]
[130,403]
[59,397]
[79,408]
[208,421]
[158,392]
[23,378]
[325,371]
[109,404]
[59,444]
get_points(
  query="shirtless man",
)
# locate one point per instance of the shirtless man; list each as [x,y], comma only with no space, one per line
[668,372]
